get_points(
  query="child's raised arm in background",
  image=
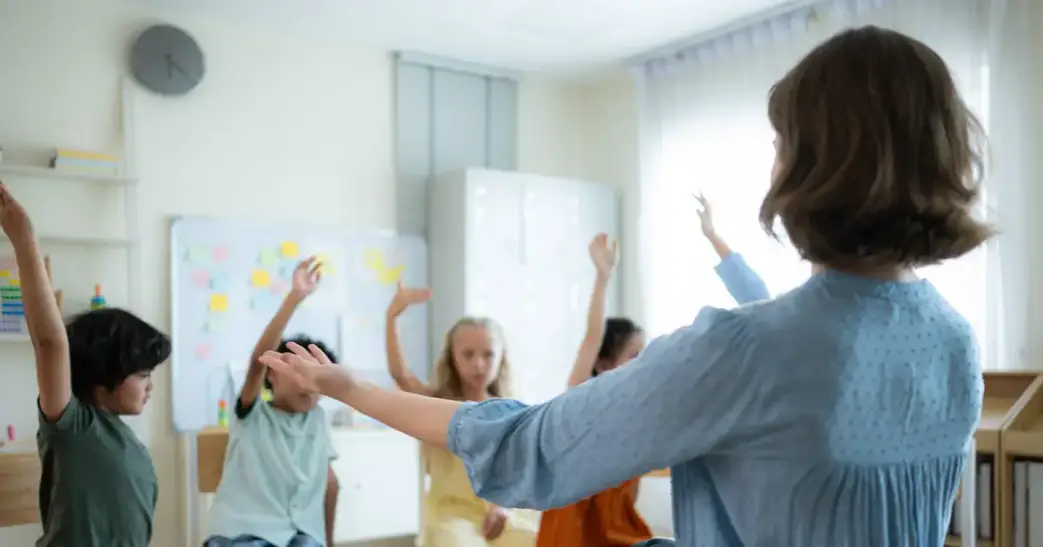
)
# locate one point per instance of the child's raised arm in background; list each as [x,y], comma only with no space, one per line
[42,317]
[609,342]
[610,517]
[306,277]
[742,282]
[397,366]
[266,440]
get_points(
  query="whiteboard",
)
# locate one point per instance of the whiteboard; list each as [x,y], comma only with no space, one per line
[228,278]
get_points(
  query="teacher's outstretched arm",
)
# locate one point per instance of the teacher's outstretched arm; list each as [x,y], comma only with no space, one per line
[688,394]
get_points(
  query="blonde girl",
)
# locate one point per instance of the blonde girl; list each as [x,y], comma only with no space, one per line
[473,366]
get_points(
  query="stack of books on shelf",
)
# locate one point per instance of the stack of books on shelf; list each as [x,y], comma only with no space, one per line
[88,163]
[1028,500]
[984,501]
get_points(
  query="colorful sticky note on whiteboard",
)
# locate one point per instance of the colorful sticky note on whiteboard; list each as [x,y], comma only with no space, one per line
[289,249]
[215,324]
[262,301]
[200,278]
[5,273]
[219,282]
[268,258]
[260,279]
[374,259]
[325,264]
[15,282]
[202,352]
[197,254]
[219,302]
[280,287]
[220,254]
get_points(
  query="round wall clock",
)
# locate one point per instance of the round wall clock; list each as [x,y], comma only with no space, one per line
[167,60]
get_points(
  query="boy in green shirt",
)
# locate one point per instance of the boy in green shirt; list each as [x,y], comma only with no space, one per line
[97,485]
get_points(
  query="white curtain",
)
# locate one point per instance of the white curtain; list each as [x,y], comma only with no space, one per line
[704,128]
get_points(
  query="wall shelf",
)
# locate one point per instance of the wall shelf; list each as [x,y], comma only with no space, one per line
[50,174]
[82,242]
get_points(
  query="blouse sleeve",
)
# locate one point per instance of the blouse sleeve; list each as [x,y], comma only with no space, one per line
[686,395]
[742,282]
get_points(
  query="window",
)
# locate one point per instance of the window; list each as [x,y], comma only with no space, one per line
[705,128]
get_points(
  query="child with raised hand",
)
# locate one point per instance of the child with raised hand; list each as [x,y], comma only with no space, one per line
[610,517]
[473,366]
[277,488]
[742,282]
[839,413]
[98,486]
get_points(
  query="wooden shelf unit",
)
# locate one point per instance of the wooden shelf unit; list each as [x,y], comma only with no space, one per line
[1021,436]
[1006,393]
[19,484]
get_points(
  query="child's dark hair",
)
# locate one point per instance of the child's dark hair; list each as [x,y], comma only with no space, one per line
[618,331]
[304,342]
[879,161]
[107,346]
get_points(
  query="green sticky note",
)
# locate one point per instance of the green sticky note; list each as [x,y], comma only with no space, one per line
[197,255]
[268,257]
[215,324]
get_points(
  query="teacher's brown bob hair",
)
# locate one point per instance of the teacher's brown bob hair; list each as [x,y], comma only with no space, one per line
[879,161]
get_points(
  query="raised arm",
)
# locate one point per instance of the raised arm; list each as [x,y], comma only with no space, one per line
[397,366]
[688,394]
[603,254]
[306,277]
[42,317]
[742,282]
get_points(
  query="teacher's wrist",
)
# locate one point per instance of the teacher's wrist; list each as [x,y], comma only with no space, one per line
[337,382]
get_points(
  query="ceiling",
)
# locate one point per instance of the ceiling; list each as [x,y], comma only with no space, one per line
[526,35]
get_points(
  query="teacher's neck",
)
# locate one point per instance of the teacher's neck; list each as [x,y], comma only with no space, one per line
[892,273]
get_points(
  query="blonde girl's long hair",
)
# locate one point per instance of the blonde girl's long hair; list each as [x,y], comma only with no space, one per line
[448,384]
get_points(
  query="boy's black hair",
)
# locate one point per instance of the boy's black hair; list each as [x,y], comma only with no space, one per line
[107,346]
[304,342]
[618,331]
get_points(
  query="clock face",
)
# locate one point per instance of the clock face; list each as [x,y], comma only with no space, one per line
[167,60]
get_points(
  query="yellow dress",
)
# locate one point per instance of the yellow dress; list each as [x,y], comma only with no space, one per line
[453,515]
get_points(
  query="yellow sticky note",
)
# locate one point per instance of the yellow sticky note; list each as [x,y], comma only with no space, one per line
[15,282]
[5,273]
[260,279]
[390,275]
[325,267]
[289,249]
[373,259]
[219,302]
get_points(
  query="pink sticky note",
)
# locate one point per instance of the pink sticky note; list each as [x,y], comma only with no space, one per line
[220,253]
[279,286]
[200,278]
[203,351]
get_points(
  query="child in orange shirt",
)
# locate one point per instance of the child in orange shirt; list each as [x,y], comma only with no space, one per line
[608,518]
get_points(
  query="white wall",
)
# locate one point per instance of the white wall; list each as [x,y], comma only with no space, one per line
[283,127]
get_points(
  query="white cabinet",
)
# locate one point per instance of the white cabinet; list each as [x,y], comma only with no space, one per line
[379,475]
[513,247]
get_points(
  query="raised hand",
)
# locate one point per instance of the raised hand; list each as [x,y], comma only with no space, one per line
[304,369]
[306,277]
[405,297]
[13,218]
[495,522]
[705,215]
[603,254]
